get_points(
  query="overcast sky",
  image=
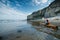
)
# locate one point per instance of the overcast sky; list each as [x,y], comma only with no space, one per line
[19,9]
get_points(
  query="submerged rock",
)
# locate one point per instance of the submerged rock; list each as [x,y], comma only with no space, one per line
[1,37]
[19,31]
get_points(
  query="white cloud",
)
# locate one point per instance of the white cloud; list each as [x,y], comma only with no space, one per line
[7,12]
[44,1]
[17,3]
[38,2]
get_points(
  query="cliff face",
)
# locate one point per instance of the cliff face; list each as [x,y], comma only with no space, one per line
[52,10]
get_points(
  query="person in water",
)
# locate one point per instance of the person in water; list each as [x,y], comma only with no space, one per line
[47,22]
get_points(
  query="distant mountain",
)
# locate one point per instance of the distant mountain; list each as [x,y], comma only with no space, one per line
[51,11]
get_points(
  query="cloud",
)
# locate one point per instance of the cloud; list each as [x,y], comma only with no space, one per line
[3,1]
[7,12]
[17,3]
[44,1]
[38,2]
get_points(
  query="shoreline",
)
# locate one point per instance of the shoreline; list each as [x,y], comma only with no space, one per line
[40,27]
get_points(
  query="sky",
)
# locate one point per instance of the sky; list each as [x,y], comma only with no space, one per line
[19,9]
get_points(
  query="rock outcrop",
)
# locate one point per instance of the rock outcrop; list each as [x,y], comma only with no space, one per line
[52,10]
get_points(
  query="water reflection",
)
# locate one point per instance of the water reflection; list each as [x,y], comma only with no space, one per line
[42,28]
[22,30]
[34,23]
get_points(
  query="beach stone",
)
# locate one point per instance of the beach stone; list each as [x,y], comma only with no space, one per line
[1,37]
[19,31]
[18,37]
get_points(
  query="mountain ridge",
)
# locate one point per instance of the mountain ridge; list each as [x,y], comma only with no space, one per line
[51,11]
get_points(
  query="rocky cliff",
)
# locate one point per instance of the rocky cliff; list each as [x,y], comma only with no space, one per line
[52,10]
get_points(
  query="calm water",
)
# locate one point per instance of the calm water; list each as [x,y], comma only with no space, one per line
[21,30]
